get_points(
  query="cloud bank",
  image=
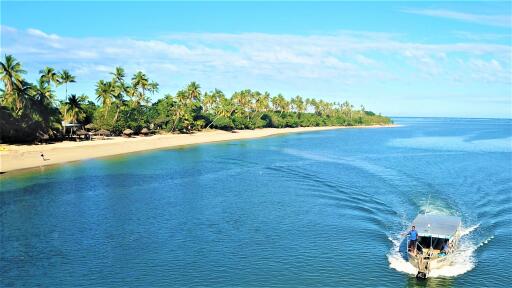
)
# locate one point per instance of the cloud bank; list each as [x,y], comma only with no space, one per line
[493,20]
[384,71]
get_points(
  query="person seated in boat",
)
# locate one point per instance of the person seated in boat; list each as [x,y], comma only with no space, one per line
[413,239]
[445,247]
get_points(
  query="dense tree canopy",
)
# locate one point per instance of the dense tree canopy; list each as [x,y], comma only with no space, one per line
[30,110]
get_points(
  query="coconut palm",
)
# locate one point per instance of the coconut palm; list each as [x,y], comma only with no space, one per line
[307,104]
[44,94]
[224,109]
[279,103]
[104,93]
[119,74]
[65,78]
[152,87]
[73,110]
[209,100]
[140,83]
[49,75]
[116,91]
[346,108]
[21,96]
[243,100]
[11,73]
[297,104]
[194,91]
[261,103]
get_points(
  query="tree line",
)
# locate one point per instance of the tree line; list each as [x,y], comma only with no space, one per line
[29,110]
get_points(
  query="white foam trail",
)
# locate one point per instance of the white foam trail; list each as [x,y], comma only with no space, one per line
[466,231]
[463,261]
[463,258]
[397,262]
[434,207]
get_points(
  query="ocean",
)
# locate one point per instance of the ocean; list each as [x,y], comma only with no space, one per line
[300,210]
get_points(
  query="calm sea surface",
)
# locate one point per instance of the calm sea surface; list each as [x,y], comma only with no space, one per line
[313,209]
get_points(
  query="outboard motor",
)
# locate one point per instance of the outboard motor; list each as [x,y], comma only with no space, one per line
[421,275]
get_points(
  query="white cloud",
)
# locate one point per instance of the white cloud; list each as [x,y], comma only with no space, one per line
[39,33]
[493,20]
[481,36]
[364,60]
[343,58]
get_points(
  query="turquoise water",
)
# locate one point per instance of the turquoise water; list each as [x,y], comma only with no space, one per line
[312,209]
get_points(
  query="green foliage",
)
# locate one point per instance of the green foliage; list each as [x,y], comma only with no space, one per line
[27,109]
[223,123]
[89,109]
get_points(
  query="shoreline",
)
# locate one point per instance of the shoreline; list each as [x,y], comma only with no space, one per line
[27,157]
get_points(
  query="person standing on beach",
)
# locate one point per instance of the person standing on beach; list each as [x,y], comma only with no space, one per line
[42,156]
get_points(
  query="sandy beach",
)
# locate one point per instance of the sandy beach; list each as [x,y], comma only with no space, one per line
[16,157]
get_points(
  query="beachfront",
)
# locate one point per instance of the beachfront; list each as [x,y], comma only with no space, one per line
[16,157]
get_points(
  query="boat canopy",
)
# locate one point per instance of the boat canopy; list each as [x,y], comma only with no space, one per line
[438,226]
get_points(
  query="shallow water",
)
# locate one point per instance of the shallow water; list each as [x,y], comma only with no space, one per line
[312,209]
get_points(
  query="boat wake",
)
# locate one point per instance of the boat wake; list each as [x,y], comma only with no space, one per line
[463,260]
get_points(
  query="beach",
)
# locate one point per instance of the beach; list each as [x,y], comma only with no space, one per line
[17,157]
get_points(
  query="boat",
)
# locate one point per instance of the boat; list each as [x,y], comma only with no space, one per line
[438,237]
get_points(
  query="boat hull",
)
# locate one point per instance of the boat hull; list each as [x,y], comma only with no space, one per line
[432,263]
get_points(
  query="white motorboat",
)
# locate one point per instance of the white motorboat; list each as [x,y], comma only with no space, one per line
[438,237]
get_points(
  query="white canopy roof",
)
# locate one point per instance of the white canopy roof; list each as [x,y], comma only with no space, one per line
[439,226]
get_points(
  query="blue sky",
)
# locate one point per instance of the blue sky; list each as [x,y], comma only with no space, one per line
[397,58]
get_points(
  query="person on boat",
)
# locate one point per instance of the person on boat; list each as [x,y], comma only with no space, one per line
[445,247]
[413,239]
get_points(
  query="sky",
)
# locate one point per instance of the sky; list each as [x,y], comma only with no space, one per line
[441,59]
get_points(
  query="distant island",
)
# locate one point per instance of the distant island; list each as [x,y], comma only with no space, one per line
[31,111]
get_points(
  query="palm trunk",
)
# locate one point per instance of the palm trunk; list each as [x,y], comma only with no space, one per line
[175,122]
[212,122]
[117,114]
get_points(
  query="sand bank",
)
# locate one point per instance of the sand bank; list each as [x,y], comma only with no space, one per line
[16,157]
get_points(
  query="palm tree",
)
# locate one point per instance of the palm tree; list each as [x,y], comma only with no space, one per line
[224,109]
[209,100]
[262,104]
[65,78]
[279,103]
[11,71]
[73,110]
[316,106]
[49,75]
[119,74]
[346,108]
[194,91]
[153,87]
[116,91]
[307,104]
[44,93]
[180,107]
[140,84]
[22,95]
[104,93]
[298,104]
[243,100]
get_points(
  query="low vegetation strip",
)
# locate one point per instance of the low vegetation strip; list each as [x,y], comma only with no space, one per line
[31,111]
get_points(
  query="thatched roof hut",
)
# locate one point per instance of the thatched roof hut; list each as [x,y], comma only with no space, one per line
[89,126]
[81,132]
[103,132]
[40,136]
[144,131]
[128,132]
